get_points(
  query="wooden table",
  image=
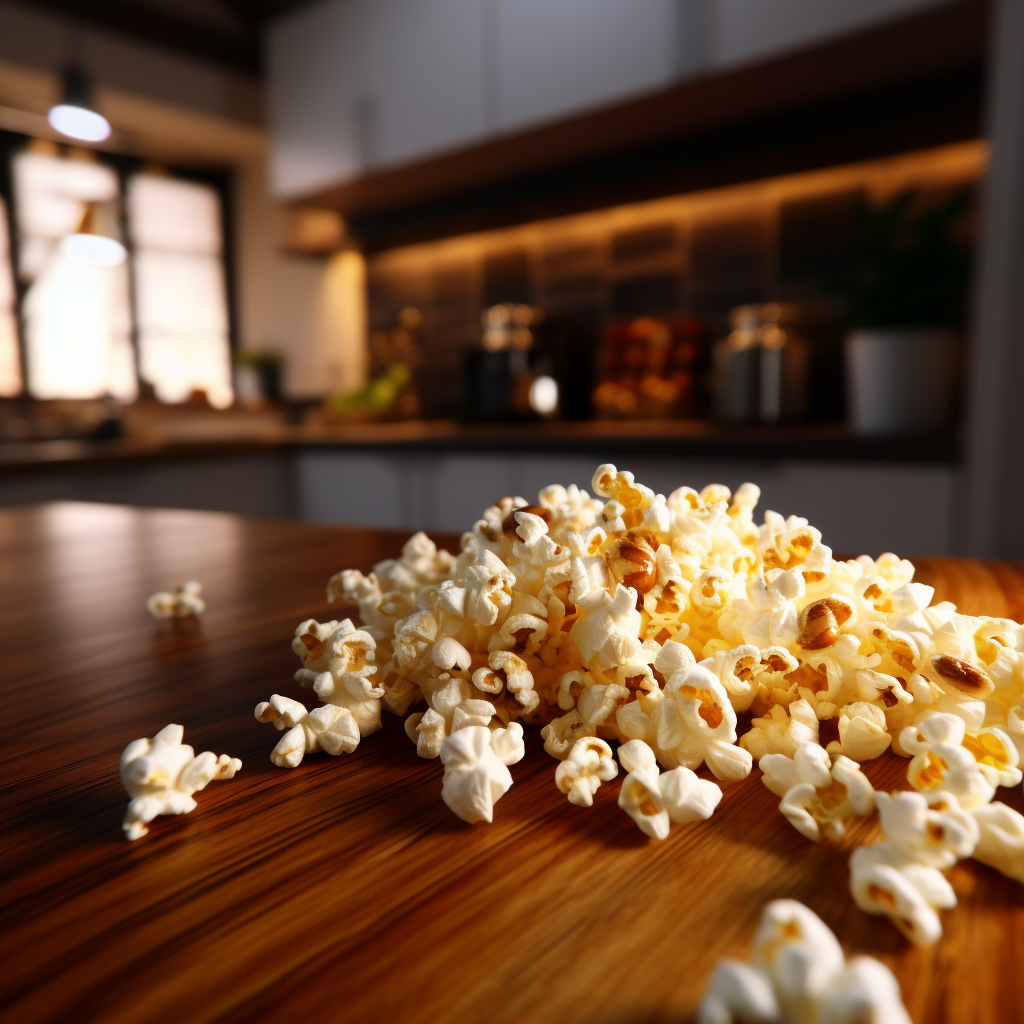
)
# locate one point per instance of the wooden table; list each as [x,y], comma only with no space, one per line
[344,889]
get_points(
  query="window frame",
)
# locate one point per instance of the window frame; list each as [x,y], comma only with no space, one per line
[221,180]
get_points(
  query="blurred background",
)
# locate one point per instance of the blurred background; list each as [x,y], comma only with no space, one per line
[386,261]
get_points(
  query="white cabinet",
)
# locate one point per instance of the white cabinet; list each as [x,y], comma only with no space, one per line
[358,85]
[750,30]
[556,57]
[361,85]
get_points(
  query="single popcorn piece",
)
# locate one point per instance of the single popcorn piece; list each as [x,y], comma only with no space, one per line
[653,799]
[900,876]
[862,732]
[818,794]
[1000,839]
[589,763]
[800,976]
[782,730]
[475,777]
[162,773]
[178,604]
[968,765]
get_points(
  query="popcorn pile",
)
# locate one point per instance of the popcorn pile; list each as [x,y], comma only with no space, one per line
[654,623]
[800,975]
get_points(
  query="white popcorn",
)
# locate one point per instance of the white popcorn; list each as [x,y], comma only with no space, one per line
[1001,839]
[475,778]
[178,604]
[782,730]
[589,764]
[933,830]
[883,880]
[162,773]
[799,954]
[654,623]
[943,760]
[329,728]
[687,797]
[817,795]
[698,724]
[311,647]
[800,977]
[862,732]
[738,994]
[652,799]
[900,876]
[640,798]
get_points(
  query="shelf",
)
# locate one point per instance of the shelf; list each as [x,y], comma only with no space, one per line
[825,442]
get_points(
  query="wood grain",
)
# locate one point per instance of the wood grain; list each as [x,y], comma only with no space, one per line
[344,889]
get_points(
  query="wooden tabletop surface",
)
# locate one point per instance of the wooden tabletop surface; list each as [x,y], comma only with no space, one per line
[344,889]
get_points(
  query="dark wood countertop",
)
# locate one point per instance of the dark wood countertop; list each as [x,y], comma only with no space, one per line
[680,438]
[344,889]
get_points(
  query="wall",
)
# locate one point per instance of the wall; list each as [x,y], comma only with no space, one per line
[310,309]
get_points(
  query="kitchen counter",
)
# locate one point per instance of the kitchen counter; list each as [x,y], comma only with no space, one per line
[345,887]
[691,438]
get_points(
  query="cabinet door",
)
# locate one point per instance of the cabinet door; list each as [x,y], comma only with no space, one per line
[357,86]
[557,57]
[310,84]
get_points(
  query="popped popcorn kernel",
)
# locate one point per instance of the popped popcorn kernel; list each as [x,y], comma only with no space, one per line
[162,773]
[800,975]
[181,603]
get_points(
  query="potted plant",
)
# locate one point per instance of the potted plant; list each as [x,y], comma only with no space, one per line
[905,314]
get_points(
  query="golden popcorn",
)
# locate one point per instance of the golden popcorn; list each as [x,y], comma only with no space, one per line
[680,630]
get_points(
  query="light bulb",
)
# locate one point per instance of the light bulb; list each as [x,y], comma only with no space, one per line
[544,396]
[96,249]
[79,122]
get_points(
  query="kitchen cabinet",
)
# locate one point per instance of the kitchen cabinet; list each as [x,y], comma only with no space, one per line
[556,57]
[361,86]
[356,86]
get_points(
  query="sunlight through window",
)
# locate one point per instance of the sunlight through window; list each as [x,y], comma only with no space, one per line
[180,292]
[10,362]
[77,315]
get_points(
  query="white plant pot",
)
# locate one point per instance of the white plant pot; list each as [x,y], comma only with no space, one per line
[900,380]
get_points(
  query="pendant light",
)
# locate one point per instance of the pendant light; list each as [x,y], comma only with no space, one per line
[74,116]
[91,244]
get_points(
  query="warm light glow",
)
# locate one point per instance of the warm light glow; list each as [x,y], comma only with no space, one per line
[79,123]
[180,292]
[10,363]
[882,178]
[96,249]
[77,314]
[544,396]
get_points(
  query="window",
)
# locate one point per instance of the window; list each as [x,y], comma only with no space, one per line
[10,366]
[85,325]
[180,294]
[77,316]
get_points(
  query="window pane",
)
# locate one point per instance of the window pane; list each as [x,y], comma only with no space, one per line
[77,315]
[180,295]
[10,364]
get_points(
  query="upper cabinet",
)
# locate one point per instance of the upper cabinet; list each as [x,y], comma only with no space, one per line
[556,57]
[358,86]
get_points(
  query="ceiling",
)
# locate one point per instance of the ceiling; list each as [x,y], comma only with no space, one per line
[226,32]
